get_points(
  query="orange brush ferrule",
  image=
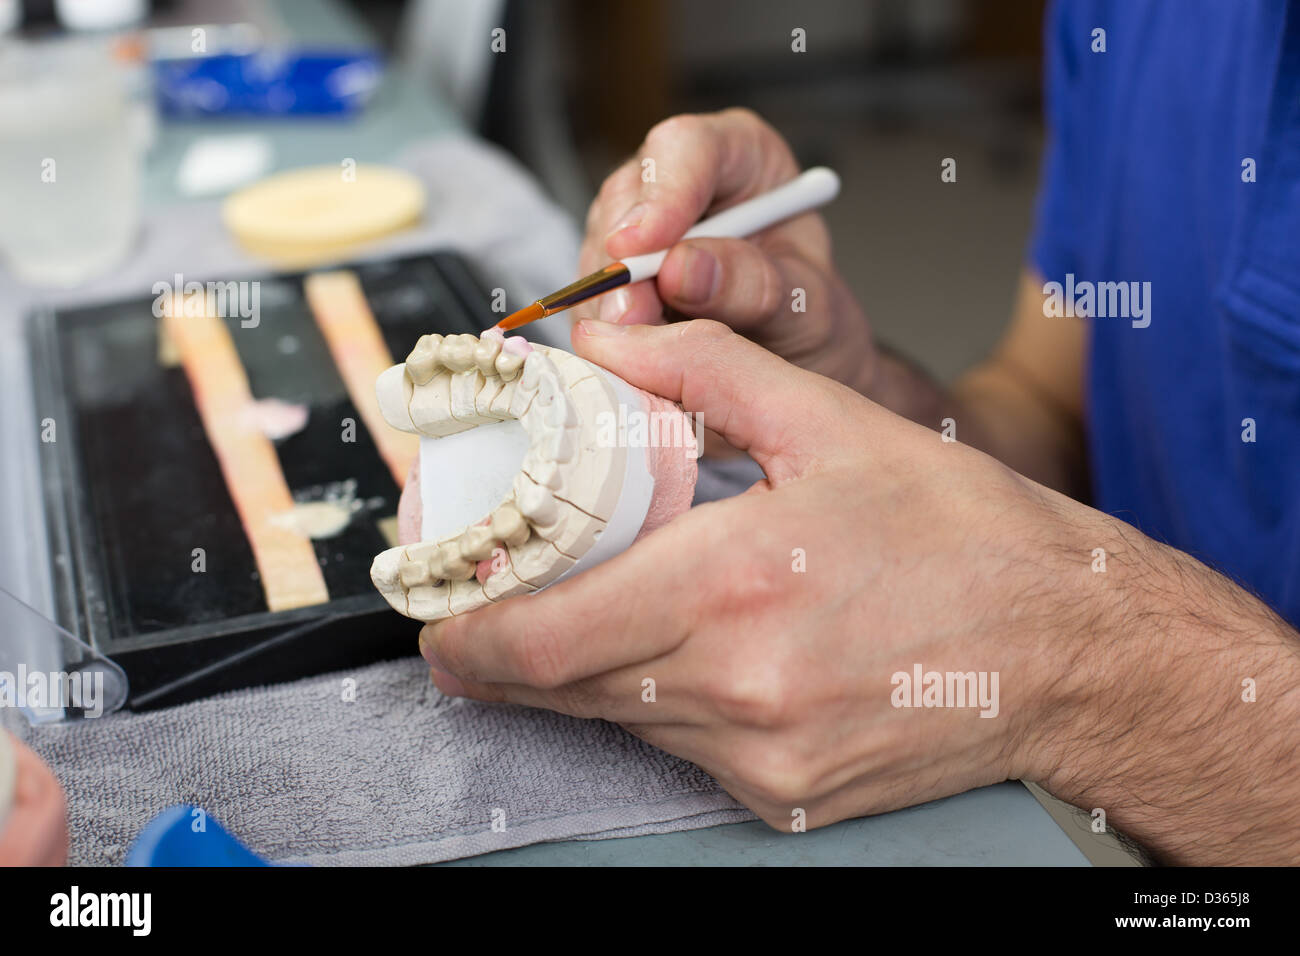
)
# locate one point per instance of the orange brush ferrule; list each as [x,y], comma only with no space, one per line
[588,287]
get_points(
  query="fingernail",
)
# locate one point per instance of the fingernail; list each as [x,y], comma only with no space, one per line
[426,646]
[630,218]
[446,683]
[614,305]
[699,276]
[599,329]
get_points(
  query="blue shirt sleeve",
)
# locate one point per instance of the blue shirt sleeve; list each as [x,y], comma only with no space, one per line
[1052,246]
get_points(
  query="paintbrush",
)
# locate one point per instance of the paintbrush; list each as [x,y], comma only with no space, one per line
[814,188]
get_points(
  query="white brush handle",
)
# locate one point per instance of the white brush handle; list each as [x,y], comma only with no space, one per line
[811,189]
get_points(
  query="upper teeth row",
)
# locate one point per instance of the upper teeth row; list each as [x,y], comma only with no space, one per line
[460,353]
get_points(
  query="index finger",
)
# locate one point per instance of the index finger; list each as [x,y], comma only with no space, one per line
[691,165]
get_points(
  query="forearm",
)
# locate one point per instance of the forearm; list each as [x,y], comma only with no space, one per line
[994,410]
[1178,713]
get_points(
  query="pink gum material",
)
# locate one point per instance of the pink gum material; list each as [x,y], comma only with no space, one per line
[674,469]
[515,345]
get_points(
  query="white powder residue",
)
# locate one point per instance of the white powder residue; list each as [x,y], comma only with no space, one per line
[324,510]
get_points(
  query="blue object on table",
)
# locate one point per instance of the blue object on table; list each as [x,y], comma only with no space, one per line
[188,836]
[272,82]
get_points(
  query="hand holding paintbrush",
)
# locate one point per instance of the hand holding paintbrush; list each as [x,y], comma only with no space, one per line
[806,192]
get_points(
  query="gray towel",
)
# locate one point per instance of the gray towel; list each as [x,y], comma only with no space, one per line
[402,775]
[399,775]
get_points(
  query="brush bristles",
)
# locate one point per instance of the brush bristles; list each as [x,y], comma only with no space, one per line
[525,315]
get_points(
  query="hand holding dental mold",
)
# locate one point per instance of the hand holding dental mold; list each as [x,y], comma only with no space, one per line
[779,628]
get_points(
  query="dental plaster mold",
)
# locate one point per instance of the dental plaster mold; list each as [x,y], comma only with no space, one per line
[577,497]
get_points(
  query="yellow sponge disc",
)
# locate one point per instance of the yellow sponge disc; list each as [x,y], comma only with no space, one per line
[305,216]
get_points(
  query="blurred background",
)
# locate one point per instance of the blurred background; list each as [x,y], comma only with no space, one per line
[883,92]
[158,111]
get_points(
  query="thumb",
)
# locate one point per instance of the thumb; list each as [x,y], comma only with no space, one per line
[784,417]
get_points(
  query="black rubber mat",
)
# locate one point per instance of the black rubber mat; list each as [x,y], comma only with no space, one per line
[132,486]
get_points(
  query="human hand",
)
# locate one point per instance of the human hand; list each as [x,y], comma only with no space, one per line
[33,831]
[777,678]
[702,165]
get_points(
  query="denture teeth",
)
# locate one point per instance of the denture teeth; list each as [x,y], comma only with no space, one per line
[548,390]
[414,573]
[385,571]
[457,352]
[508,525]
[422,363]
[545,473]
[421,554]
[435,565]
[454,567]
[508,365]
[485,354]
[422,551]
[532,371]
[560,445]
[476,543]
[535,502]
[560,415]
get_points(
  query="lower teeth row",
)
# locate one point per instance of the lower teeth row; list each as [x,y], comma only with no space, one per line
[430,563]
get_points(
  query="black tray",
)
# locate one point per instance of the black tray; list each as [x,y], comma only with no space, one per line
[131,486]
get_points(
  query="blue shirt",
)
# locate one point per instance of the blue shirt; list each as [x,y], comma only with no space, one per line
[1152,147]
